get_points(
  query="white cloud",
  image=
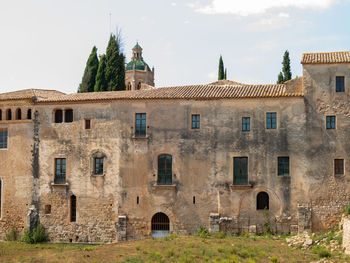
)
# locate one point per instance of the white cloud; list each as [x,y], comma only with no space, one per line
[270,22]
[173,4]
[252,7]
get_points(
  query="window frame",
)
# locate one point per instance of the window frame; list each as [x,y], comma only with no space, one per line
[165,177]
[73,216]
[333,124]
[58,178]
[140,128]
[87,121]
[278,166]
[236,181]
[7,138]
[246,126]
[337,169]
[99,170]
[269,124]
[342,83]
[195,121]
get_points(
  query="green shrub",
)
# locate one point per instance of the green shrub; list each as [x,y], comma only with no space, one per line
[321,252]
[203,232]
[273,259]
[347,210]
[37,235]
[220,235]
[12,234]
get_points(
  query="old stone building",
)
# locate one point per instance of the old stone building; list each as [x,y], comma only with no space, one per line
[108,166]
[138,74]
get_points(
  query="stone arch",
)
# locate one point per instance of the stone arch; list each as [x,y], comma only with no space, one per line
[18,114]
[58,115]
[262,201]
[160,225]
[8,114]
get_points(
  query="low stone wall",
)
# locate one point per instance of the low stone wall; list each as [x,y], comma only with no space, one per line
[346,234]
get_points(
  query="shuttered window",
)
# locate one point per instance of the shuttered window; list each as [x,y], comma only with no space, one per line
[240,166]
[164,169]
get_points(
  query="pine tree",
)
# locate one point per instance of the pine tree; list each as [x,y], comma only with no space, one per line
[225,75]
[115,66]
[101,83]
[221,74]
[287,74]
[88,81]
[280,78]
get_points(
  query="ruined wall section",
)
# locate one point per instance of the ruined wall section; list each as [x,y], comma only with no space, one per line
[328,193]
[16,169]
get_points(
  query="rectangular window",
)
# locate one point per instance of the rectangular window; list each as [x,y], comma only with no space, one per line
[87,124]
[99,165]
[140,125]
[246,124]
[330,122]
[240,170]
[195,121]
[283,165]
[3,139]
[340,83]
[271,120]
[339,166]
[60,170]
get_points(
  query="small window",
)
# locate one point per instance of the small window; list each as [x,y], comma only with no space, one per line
[68,116]
[194,200]
[9,115]
[338,166]
[47,209]
[87,124]
[195,121]
[29,114]
[0,115]
[283,165]
[98,165]
[165,169]
[271,122]
[137,200]
[60,171]
[3,139]
[330,122]
[58,116]
[73,208]
[18,114]
[139,86]
[340,83]
[240,170]
[140,125]
[246,124]
[262,201]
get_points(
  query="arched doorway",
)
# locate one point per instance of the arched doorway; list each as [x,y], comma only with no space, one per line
[160,225]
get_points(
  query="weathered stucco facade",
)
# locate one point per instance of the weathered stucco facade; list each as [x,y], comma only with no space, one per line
[120,202]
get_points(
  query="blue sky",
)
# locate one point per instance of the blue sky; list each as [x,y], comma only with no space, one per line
[45,43]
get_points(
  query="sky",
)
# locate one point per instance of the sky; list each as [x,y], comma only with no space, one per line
[45,44]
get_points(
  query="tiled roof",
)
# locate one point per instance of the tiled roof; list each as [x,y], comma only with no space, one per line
[196,92]
[326,58]
[29,94]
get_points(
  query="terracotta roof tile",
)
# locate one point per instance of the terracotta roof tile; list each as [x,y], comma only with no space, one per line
[196,92]
[326,58]
[29,94]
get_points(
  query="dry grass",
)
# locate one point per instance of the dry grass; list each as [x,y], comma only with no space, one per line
[170,249]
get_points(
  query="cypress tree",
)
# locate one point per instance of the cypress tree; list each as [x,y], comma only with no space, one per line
[88,81]
[115,68]
[280,78]
[221,74]
[287,74]
[225,75]
[101,83]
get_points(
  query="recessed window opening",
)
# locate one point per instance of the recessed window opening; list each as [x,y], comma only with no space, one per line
[18,114]
[164,169]
[262,201]
[283,165]
[137,200]
[98,165]
[29,114]
[240,170]
[246,124]
[58,116]
[140,125]
[160,225]
[60,171]
[68,115]
[340,83]
[3,138]
[330,122]
[271,120]
[87,124]
[194,200]
[195,121]
[73,208]
[47,209]
[139,85]
[338,166]
[0,115]
[9,115]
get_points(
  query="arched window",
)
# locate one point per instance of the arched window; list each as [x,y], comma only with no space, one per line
[129,86]
[58,116]
[160,225]
[18,114]
[9,114]
[139,86]
[68,116]
[29,114]
[165,169]
[73,208]
[262,201]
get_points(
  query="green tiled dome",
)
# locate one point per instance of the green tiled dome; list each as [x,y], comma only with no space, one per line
[139,65]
